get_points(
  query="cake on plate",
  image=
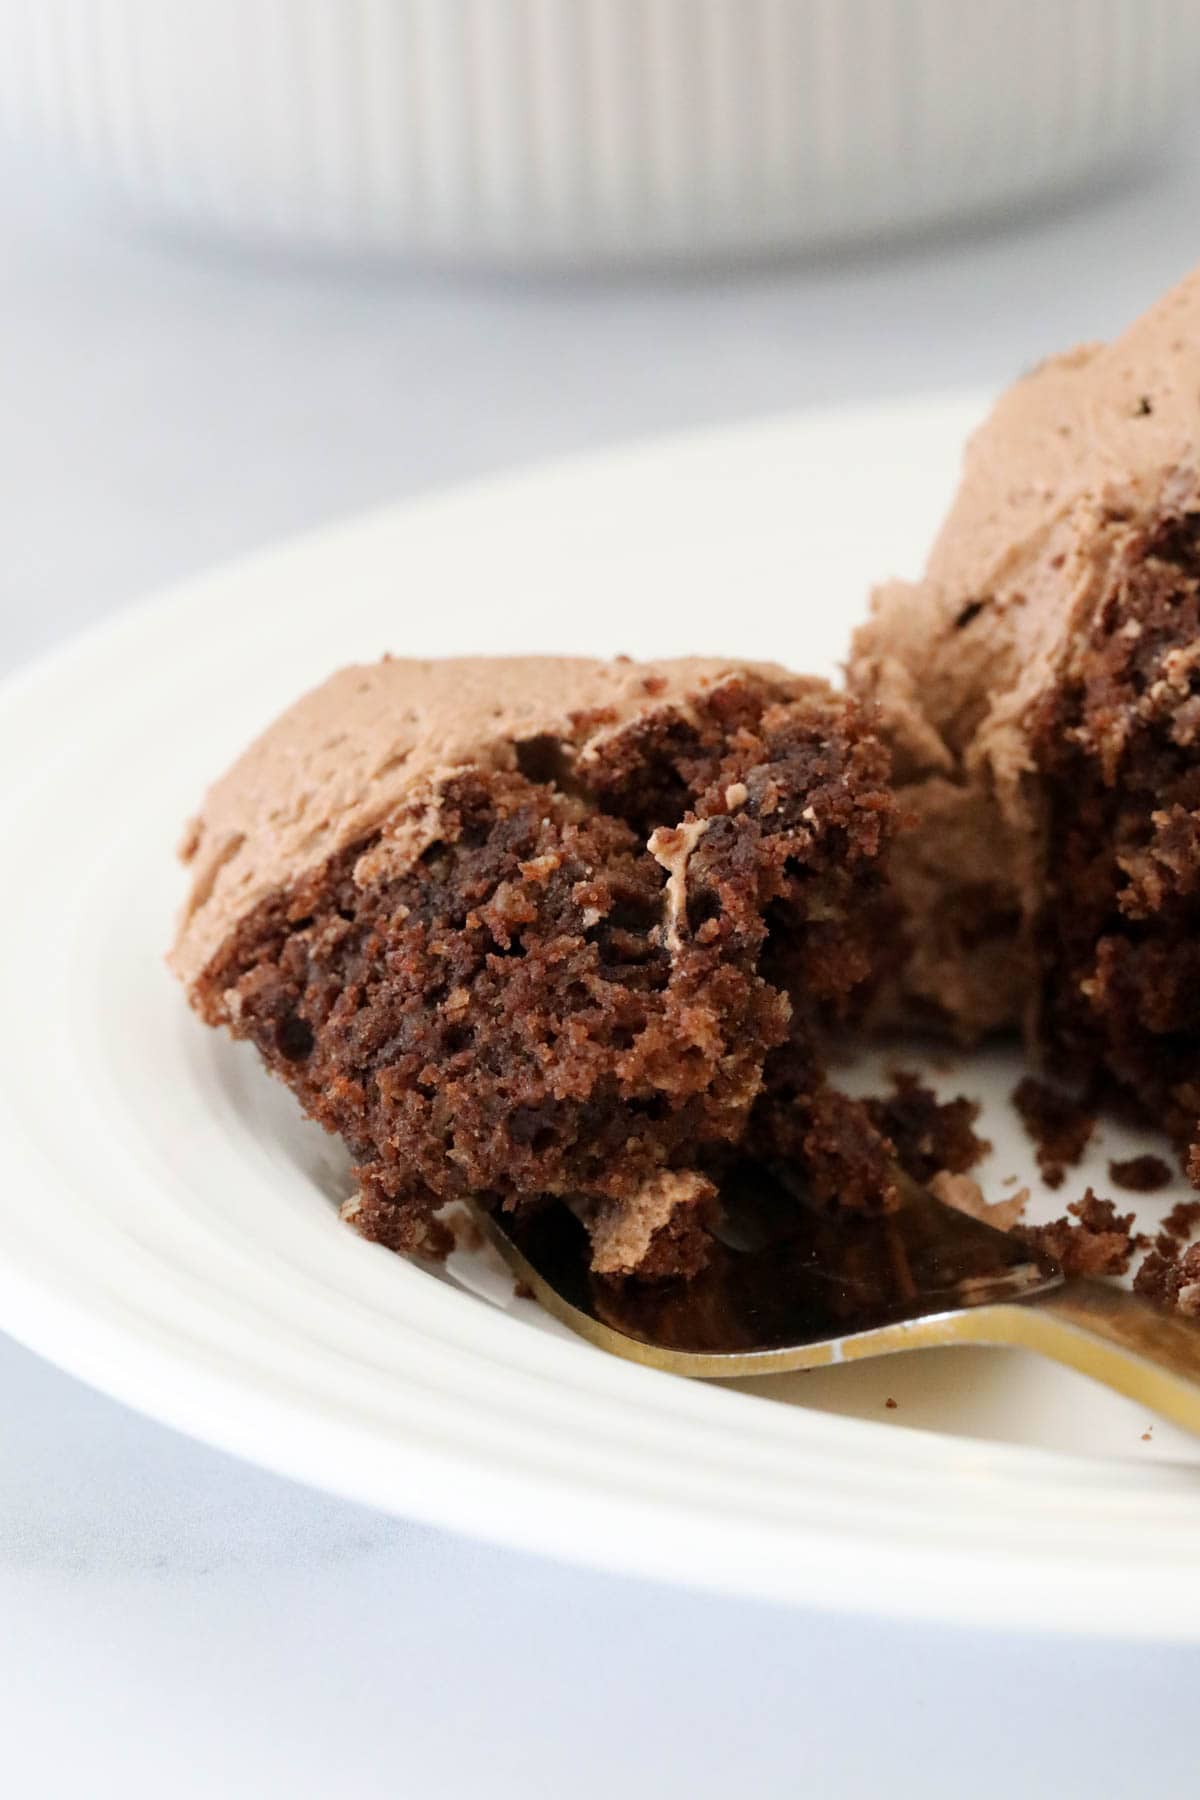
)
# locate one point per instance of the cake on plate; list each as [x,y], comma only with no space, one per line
[1040,691]
[533,930]
[539,929]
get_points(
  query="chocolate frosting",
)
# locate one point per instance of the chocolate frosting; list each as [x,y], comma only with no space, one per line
[372,747]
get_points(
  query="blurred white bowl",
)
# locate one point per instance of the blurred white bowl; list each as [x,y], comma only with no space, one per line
[576,131]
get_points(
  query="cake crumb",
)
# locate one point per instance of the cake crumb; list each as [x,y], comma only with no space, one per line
[1140,1174]
[1182,1219]
[1153,1275]
[1097,1240]
[889,1402]
[1146,1435]
[929,1136]
[1172,1282]
[465,1228]
[964,1193]
[662,1231]
[1059,1125]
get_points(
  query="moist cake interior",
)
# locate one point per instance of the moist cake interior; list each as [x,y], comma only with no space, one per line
[1118,935]
[605,976]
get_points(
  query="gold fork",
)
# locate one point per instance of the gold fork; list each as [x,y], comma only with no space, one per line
[792,1287]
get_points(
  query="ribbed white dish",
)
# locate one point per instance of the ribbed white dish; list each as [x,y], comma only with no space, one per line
[568,131]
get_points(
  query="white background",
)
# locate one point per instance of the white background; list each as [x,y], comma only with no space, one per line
[172,1622]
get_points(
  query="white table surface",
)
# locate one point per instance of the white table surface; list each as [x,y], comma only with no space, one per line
[174,1622]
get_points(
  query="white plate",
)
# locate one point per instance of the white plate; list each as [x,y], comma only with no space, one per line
[167,1228]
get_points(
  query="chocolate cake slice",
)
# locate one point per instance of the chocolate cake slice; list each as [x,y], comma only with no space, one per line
[1040,688]
[539,929]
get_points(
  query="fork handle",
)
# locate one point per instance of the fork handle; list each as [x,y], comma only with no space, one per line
[1114,1336]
